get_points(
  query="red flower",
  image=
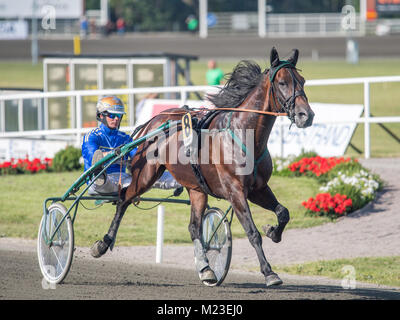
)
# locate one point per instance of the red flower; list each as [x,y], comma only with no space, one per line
[326,204]
[316,165]
[24,165]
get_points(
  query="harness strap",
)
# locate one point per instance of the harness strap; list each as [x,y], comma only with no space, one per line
[274,70]
[234,136]
[201,180]
[264,154]
[240,143]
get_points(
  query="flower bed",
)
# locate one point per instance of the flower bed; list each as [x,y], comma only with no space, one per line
[326,204]
[18,166]
[345,185]
[316,165]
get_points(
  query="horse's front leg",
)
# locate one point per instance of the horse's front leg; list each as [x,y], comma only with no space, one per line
[198,202]
[267,200]
[242,210]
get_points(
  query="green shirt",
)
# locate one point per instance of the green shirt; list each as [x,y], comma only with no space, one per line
[214,76]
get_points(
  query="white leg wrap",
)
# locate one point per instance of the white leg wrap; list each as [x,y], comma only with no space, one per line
[200,258]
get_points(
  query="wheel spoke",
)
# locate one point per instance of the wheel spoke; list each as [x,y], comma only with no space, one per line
[58,260]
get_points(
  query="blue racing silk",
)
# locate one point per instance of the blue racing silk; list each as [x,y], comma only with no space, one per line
[106,140]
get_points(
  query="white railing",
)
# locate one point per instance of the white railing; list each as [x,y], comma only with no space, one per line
[184,92]
[285,25]
[367,119]
[77,95]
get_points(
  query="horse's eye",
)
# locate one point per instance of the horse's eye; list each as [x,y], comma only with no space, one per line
[282,83]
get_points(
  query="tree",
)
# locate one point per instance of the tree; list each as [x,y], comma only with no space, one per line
[307,6]
[92,4]
[152,15]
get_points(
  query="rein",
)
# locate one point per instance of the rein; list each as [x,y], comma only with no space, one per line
[276,114]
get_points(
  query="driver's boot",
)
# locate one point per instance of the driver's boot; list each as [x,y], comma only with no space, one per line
[97,156]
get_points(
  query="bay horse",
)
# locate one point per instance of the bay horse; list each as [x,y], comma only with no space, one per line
[263,95]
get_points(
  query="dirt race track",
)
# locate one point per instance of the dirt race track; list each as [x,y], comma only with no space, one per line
[20,278]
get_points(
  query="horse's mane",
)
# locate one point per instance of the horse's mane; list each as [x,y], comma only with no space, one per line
[240,82]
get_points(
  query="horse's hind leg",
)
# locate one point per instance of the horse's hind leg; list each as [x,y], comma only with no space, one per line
[267,200]
[100,247]
[142,180]
[242,210]
[198,205]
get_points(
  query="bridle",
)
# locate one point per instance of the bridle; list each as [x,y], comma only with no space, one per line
[287,105]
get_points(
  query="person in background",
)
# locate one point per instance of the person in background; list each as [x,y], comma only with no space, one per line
[84,27]
[214,75]
[192,23]
[109,28]
[121,26]
[93,27]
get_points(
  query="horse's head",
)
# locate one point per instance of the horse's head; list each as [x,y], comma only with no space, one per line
[287,89]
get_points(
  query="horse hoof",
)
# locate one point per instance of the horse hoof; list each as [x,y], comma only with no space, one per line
[270,233]
[273,280]
[208,277]
[98,249]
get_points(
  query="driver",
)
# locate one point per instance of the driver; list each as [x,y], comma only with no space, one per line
[103,140]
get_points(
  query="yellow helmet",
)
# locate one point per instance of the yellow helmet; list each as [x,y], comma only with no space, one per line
[110,104]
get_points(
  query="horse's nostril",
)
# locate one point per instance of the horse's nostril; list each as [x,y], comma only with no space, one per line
[302,114]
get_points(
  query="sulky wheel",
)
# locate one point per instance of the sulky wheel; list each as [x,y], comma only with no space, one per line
[217,243]
[55,257]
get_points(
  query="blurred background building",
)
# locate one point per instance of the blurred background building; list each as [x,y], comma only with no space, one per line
[263,17]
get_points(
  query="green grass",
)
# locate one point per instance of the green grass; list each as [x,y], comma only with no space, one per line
[22,196]
[21,74]
[376,270]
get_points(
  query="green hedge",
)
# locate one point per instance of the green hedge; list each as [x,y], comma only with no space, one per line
[67,159]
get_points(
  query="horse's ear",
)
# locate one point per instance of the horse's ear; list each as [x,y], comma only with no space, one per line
[274,57]
[294,56]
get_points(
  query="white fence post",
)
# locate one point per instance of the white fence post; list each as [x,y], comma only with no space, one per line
[183,97]
[78,113]
[281,130]
[203,10]
[2,116]
[261,18]
[367,151]
[160,233]
[20,115]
